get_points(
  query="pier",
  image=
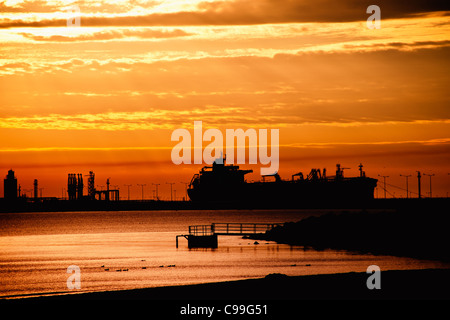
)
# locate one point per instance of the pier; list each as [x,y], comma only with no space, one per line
[205,236]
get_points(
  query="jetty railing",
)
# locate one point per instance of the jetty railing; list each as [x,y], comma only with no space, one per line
[231,228]
[242,228]
[206,235]
[201,230]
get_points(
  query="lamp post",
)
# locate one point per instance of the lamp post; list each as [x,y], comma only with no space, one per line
[171,184]
[186,185]
[40,192]
[128,186]
[142,190]
[418,183]
[407,194]
[156,184]
[384,179]
[430,175]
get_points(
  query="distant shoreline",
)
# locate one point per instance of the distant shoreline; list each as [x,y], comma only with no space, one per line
[58,205]
[395,284]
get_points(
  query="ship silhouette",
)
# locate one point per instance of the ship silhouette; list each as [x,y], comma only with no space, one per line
[226,183]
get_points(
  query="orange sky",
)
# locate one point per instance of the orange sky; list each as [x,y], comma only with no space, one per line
[106,96]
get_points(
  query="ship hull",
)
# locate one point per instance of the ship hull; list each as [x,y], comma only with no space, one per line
[351,190]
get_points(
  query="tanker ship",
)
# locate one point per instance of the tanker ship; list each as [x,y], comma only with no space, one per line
[227,184]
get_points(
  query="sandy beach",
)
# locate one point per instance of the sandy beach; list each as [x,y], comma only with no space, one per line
[404,284]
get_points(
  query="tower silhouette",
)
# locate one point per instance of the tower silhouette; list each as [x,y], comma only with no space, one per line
[10,186]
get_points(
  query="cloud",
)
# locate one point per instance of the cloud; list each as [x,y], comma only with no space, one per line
[401,45]
[111,35]
[37,6]
[313,90]
[236,117]
[44,6]
[245,12]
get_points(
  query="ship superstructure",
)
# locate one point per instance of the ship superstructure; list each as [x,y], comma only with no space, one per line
[226,183]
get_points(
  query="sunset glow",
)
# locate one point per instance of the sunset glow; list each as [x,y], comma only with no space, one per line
[106,96]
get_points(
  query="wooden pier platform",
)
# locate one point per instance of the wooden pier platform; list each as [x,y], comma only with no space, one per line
[205,236]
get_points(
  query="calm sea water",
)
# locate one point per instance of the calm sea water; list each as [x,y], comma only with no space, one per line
[136,249]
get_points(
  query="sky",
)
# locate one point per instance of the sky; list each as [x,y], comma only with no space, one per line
[107,95]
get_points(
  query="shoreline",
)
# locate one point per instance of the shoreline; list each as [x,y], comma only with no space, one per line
[58,205]
[395,284]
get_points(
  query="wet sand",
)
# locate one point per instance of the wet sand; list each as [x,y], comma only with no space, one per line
[402,284]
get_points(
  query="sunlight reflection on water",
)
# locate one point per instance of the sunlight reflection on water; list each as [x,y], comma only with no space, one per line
[117,251]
